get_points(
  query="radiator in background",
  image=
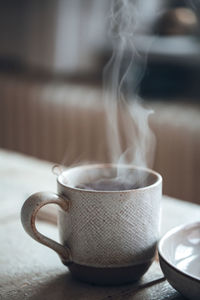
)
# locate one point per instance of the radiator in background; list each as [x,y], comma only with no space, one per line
[64,123]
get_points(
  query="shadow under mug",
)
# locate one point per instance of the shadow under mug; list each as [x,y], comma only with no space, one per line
[107,237]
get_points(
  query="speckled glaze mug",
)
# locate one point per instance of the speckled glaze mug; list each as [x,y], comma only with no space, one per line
[107,237]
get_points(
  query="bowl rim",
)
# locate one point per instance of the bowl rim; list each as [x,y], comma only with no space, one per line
[167,235]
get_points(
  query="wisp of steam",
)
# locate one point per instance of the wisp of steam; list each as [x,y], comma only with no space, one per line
[129,138]
[127,119]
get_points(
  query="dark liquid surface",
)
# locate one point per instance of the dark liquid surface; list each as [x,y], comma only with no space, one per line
[112,184]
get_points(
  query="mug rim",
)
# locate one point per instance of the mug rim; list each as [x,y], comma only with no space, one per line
[157,182]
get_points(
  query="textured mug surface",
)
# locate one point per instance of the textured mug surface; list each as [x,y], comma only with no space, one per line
[109,229]
[111,235]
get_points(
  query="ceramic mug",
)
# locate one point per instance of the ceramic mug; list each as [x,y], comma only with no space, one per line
[107,237]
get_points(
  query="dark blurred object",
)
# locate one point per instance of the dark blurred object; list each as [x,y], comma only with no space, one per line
[178,21]
[166,62]
[173,65]
[167,80]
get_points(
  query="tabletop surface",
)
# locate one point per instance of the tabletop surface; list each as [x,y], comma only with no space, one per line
[28,270]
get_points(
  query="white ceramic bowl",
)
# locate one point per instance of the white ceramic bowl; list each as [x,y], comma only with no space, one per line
[179,254]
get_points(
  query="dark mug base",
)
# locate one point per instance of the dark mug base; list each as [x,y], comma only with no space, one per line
[108,276]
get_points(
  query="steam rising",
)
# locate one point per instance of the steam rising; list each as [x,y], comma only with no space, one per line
[127,119]
[129,138]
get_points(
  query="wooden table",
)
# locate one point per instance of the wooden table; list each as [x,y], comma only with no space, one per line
[29,270]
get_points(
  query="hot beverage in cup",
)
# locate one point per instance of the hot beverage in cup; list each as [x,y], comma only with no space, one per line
[123,181]
[108,227]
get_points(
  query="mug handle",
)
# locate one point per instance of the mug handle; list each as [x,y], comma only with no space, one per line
[28,216]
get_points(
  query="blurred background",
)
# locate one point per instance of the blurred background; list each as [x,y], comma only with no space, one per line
[52,55]
[69,38]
